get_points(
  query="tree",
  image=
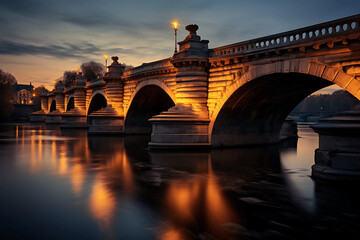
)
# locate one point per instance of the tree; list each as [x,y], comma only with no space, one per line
[127,66]
[338,101]
[69,78]
[38,90]
[7,78]
[92,70]
[37,98]
[7,82]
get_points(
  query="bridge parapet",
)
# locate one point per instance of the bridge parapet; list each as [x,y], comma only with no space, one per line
[146,68]
[316,34]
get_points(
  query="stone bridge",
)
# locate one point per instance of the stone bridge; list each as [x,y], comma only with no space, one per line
[238,94]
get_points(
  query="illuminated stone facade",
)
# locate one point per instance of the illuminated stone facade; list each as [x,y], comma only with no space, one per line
[23,94]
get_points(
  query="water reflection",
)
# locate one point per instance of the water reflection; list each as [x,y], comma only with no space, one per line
[78,175]
[102,202]
[115,189]
[296,164]
[195,203]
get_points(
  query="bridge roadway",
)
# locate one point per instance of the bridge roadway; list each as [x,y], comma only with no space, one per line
[238,94]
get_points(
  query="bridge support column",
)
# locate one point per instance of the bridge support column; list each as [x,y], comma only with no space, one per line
[76,117]
[186,124]
[54,117]
[338,155]
[110,120]
[115,92]
[40,116]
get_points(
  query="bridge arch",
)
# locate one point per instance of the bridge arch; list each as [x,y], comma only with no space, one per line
[253,108]
[149,98]
[52,105]
[97,101]
[70,103]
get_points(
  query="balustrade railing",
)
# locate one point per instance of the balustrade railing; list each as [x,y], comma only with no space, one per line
[315,32]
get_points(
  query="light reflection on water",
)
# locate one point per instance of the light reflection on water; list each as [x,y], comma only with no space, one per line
[62,184]
[296,164]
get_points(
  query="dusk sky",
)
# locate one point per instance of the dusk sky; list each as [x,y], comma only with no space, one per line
[40,39]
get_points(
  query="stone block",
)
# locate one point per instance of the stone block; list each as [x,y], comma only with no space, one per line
[329,73]
[295,65]
[214,95]
[278,66]
[179,138]
[342,79]
[179,128]
[286,66]
[304,67]
[322,157]
[316,69]
[353,87]
[191,94]
[346,161]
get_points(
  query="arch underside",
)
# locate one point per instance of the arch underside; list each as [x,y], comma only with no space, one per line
[97,102]
[52,106]
[70,104]
[255,112]
[148,102]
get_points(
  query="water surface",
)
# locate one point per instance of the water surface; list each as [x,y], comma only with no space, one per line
[63,184]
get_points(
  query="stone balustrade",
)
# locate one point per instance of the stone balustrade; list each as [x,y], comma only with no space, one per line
[330,29]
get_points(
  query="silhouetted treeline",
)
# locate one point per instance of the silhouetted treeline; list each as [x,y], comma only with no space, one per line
[7,81]
[338,101]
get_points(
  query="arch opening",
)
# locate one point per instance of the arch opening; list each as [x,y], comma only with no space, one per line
[53,106]
[255,112]
[148,102]
[70,104]
[97,102]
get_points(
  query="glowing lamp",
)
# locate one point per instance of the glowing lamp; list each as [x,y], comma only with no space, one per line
[175,25]
[105,56]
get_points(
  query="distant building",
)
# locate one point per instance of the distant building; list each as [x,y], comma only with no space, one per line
[23,94]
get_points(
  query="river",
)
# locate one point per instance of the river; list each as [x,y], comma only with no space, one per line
[63,184]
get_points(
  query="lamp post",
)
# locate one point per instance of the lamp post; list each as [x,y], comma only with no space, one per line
[105,56]
[175,24]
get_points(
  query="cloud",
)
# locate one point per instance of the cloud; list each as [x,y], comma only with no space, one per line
[82,50]
[68,51]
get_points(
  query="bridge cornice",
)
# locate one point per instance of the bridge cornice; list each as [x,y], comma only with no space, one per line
[147,69]
[150,73]
[95,83]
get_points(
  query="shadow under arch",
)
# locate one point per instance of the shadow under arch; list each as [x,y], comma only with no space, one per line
[98,101]
[149,101]
[70,104]
[255,112]
[52,105]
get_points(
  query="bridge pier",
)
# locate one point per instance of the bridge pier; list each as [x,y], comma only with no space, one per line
[186,124]
[179,127]
[40,116]
[338,155]
[110,120]
[55,112]
[76,117]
